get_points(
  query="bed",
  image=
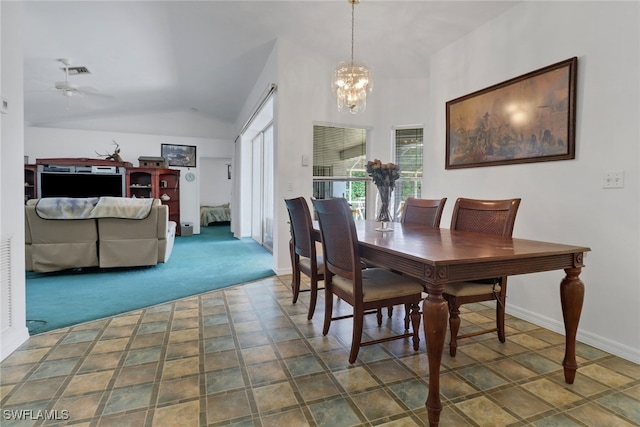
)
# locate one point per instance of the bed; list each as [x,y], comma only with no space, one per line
[211,214]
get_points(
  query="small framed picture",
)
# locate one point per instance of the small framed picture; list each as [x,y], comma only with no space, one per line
[179,155]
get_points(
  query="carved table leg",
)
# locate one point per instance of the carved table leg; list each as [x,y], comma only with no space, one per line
[434,316]
[571,297]
[415,322]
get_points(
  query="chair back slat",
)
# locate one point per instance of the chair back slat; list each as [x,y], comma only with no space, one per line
[485,216]
[339,237]
[423,211]
[301,227]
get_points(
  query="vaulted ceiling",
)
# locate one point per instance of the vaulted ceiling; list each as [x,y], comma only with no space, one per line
[205,56]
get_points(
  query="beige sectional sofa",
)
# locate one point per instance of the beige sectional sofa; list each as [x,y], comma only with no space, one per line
[101,241]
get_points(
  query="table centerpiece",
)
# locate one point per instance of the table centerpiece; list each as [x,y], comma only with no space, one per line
[384,176]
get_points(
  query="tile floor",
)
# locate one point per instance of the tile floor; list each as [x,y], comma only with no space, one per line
[246,356]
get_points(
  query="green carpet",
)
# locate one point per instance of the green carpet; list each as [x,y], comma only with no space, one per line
[211,260]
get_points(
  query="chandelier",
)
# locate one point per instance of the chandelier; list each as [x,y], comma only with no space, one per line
[352,81]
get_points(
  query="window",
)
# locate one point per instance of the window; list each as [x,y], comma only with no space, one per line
[408,153]
[339,165]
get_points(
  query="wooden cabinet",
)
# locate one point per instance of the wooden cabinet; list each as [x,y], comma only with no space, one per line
[169,186]
[158,183]
[139,183]
[30,180]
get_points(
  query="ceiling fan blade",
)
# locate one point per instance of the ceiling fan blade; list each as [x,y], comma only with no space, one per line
[91,91]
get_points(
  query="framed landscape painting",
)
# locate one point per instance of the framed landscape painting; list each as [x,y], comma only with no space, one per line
[526,119]
[179,155]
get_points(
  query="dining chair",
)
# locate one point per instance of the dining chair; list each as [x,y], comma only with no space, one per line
[304,258]
[489,217]
[423,211]
[365,290]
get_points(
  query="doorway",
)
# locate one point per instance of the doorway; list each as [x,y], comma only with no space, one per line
[215,181]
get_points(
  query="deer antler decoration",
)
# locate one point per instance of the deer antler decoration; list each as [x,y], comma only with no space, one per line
[115,156]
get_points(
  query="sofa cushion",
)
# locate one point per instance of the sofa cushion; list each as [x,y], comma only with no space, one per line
[128,252]
[63,256]
[132,242]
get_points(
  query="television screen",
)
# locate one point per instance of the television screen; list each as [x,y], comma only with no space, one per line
[81,185]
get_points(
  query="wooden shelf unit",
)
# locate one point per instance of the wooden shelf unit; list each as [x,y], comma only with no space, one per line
[156,183]
[30,182]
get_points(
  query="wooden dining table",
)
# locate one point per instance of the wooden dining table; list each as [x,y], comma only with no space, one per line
[437,256]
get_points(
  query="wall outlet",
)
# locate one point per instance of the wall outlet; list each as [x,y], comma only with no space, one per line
[613,179]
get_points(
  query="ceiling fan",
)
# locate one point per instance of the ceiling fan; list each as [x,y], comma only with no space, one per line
[70,89]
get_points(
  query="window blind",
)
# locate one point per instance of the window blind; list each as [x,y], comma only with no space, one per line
[337,152]
[409,149]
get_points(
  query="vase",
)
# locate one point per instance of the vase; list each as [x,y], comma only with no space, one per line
[384,216]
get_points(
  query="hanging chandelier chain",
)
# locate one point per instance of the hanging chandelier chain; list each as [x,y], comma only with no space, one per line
[353,26]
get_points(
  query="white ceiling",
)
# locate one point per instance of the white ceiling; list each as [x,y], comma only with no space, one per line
[157,57]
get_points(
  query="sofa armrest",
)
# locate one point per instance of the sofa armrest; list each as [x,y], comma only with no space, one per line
[163,220]
[166,246]
[28,256]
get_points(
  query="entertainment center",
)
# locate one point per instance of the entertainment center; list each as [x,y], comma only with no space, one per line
[83,177]
[80,181]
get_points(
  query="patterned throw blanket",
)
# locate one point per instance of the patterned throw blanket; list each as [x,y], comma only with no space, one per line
[93,207]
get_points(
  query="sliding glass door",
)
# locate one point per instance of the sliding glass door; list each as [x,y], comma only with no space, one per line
[267,188]
[262,188]
[256,188]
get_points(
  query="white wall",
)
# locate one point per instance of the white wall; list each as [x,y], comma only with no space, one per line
[175,123]
[50,142]
[562,201]
[13,329]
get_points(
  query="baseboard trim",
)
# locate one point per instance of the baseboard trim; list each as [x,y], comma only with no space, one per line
[283,271]
[597,341]
[10,339]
